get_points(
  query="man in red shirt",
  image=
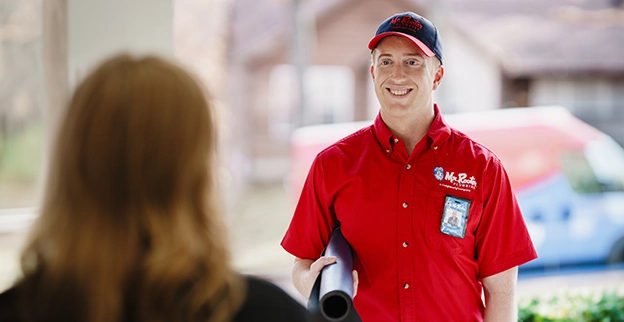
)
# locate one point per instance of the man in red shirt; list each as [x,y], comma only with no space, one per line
[430,213]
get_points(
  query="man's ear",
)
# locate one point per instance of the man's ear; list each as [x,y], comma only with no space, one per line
[437,79]
[372,71]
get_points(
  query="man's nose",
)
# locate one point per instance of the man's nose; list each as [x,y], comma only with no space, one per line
[399,71]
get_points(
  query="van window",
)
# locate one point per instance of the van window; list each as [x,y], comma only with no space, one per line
[606,158]
[580,173]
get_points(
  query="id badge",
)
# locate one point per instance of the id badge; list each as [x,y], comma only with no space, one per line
[455,216]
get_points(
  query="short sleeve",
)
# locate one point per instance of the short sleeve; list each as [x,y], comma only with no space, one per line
[502,239]
[313,219]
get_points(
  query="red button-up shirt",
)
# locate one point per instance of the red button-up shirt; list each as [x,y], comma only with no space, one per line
[390,208]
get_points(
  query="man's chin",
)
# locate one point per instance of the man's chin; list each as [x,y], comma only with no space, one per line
[397,110]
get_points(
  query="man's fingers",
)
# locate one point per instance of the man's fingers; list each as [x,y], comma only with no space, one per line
[356,281]
[323,261]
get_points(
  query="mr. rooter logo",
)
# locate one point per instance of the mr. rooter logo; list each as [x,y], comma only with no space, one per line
[406,22]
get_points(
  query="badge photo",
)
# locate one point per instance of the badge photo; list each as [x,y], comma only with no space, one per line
[455,216]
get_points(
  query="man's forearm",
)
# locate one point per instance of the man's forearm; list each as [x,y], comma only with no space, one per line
[501,307]
[500,296]
[300,274]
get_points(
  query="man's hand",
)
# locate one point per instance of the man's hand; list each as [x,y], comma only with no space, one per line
[305,272]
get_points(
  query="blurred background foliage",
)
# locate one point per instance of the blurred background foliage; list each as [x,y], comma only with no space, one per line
[21,102]
[21,154]
[574,307]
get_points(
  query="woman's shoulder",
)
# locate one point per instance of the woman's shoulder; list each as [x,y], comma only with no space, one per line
[8,305]
[265,301]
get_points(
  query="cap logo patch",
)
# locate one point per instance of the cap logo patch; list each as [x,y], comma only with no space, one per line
[406,22]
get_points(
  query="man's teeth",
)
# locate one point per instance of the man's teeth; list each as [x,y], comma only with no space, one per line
[399,93]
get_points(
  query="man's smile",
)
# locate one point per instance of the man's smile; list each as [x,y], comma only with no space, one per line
[399,92]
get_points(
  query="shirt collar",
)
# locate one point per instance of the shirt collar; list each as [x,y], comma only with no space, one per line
[383,135]
[438,133]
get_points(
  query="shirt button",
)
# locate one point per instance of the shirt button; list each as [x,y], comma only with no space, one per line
[409,166]
[435,147]
[387,150]
[396,140]
[405,205]
[405,286]
[404,244]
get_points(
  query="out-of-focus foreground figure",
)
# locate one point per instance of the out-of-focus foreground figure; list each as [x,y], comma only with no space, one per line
[130,228]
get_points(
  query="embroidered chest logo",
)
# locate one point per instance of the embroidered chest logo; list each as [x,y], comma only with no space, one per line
[461,181]
[438,172]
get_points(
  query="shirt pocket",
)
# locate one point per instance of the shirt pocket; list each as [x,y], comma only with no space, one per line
[435,239]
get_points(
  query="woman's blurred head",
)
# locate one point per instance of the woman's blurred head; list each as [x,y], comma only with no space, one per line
[138,132]
[130,206]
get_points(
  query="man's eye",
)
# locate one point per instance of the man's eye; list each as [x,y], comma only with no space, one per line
[412,62]
[385,63]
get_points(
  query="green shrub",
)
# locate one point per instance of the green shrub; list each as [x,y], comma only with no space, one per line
[21,155]
[605,307]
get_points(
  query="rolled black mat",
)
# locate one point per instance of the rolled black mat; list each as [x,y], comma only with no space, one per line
[332,294]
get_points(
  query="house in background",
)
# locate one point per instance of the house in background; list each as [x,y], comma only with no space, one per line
[301,62]
[529,53]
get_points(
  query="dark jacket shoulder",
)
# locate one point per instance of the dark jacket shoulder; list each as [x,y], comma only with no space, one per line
[267,302]
[8,305]
[264,302]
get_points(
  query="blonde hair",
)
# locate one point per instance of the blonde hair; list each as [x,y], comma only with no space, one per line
[130,224]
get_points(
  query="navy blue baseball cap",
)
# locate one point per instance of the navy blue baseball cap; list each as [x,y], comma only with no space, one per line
[413,27]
